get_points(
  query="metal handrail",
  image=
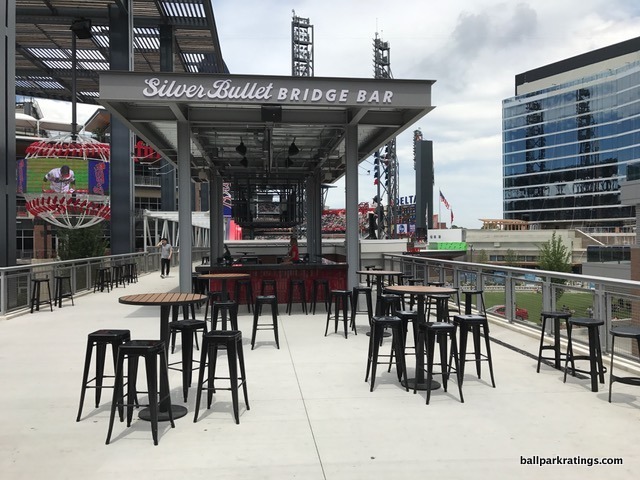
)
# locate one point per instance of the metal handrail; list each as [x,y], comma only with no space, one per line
[15,281]
[609,299]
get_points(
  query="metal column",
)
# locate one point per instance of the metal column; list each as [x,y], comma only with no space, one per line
[184,204]
[122,192]
[314,218]
[216,218]
[168,180]
[8,138]
[352,239]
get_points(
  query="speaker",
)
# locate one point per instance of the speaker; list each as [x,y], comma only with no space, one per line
[271,113]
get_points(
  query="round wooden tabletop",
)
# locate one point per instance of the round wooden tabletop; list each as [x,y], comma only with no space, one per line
[420,289]
[162,299]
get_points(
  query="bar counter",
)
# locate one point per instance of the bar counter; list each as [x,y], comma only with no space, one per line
[336,273]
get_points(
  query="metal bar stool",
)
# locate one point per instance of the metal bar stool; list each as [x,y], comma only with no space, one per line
[555,318]
[297,283]
[631,332]
[257,311]
[378,326]
[152,351]
[341,299]
[596,368]
[440,331]
[100,339]
[231,342]
[36,301]
[321,284]
[478,326]
[58,289]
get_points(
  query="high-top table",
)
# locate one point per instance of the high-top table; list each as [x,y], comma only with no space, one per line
[421,292]
[166,301]
[379,276]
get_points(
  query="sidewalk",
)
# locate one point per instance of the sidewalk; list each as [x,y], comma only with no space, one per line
[312,415]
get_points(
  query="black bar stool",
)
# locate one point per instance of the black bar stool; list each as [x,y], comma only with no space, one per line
[131,272]
[341,299]
[117,276]
[58,289]
[440,331]
[268,284]
[357,291]
[227,309]
[412,298]
[479,326]
[100,339]
[36,300]
[378,325]
[246,285]
[388,304]
[188,329]
[320,284]
[297,284]
[153,352]
[468,301]
[257,311]
[231,341]
[212,297]
[440,301]
[631,332]
[102,280]
[555,318]
[596,368]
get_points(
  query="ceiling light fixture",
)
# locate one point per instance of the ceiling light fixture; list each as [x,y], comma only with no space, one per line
[81,27]
[293,149]
[242,148]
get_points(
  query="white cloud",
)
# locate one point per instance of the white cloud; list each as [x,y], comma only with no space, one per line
[473,49]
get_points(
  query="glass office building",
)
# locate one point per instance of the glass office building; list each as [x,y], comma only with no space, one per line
[569,136]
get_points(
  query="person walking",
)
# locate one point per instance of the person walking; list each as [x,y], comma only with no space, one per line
[165,256]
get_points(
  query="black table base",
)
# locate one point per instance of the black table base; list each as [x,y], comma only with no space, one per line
[422,384]
[178,412]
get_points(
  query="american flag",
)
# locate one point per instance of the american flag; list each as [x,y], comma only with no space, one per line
[444,200]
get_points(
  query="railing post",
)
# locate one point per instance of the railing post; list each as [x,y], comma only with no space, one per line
[548,300]
[509,297]
[3,293]
[602,310]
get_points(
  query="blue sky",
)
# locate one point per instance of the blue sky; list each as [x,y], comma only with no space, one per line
[472,48]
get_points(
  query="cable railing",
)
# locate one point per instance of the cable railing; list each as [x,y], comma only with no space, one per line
[519,295]
[15,281]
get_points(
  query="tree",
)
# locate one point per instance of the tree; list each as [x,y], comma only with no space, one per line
[482,257]
[510,258]
[554,256]
[81,243]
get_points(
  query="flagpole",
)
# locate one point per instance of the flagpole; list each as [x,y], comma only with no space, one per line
[439,208]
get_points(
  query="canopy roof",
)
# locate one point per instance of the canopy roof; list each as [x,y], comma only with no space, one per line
[44,37]
[291,127]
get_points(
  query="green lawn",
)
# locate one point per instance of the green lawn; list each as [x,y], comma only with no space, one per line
[577,302]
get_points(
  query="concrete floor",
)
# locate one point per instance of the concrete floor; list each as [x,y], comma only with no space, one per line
[312,415]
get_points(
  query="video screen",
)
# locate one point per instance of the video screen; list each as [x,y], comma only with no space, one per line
[62,175]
